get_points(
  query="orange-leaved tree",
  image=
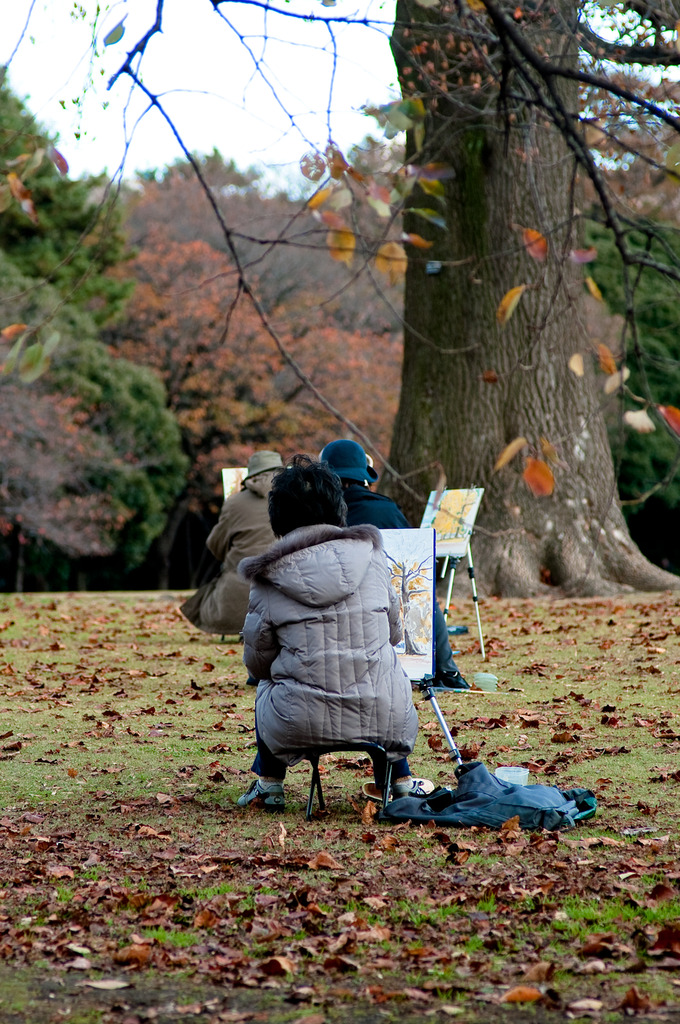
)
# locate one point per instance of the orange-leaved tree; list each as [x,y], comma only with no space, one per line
[230,389]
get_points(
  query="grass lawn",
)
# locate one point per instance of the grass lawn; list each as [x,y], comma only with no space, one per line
[132,888]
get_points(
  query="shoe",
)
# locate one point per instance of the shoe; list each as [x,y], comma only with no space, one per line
[251,682]
[446,681]
[456,630]
[412,786]
[269,794]
[409,787]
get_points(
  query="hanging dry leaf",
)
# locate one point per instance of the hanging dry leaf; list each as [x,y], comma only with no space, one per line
[509,452]
[333,220]
[417,240]
[116,33]
[313,166]
[12,331]
[535,244]
[671,416]
[583,255]
[57,159]
[593,289]
[575,364]
[337,165]
[607,361]
[340,198]
[341,245]
[22,195]
[639,420]
[538,477]
[616,380]
[508,303]
[549,451]
[391,260]
[379,199]
[319,198]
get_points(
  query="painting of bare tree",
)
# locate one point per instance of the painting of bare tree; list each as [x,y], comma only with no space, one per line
[411,561]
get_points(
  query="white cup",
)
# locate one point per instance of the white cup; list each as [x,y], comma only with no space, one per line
[516,775]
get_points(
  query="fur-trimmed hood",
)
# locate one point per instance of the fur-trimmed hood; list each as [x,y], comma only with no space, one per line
[295,565]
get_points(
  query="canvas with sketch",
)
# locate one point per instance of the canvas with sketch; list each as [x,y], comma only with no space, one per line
[452,514]
[411,561]
[232,480]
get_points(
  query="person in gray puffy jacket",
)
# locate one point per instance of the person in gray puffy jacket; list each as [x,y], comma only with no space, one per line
[322,622]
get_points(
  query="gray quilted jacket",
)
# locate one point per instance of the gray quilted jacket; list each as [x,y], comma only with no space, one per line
[319,634]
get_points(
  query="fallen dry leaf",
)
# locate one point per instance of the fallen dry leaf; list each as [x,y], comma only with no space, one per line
[522,994]
[323,860]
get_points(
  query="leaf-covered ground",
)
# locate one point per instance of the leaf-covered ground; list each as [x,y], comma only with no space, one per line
[132,888]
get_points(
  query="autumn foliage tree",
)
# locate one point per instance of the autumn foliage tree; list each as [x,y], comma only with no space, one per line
[229,388]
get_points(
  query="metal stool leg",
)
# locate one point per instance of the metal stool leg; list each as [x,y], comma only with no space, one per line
[315,784]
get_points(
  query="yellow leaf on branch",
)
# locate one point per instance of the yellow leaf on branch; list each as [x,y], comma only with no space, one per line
[509,452]
[391,260]
[319,198]
[593,289]
[549,450]
[341,245]
[508,304]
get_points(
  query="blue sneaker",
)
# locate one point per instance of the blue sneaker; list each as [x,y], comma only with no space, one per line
[269,794]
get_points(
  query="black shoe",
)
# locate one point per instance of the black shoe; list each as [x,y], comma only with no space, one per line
[445,682]
[456,630]
[251,682]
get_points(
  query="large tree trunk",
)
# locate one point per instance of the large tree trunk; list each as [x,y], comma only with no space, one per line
[509,174]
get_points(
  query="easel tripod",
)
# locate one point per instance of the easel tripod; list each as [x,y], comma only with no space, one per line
[473,583]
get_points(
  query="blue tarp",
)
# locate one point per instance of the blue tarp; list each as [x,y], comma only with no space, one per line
[482,799]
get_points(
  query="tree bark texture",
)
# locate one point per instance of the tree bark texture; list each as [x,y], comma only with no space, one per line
[469,385]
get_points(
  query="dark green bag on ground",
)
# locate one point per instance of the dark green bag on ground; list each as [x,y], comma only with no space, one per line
[482,799]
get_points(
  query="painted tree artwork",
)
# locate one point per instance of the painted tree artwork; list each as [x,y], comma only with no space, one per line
[232,480]
[411,561]
[452,514]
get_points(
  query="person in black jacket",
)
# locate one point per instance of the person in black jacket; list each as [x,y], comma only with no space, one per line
[348,459]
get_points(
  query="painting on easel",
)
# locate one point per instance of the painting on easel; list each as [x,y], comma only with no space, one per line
[452,514]
[411,561]
[232,480]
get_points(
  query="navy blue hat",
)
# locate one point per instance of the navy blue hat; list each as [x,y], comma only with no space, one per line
[348,459]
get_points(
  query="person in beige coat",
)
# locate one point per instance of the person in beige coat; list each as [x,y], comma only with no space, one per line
[220,605]
[322,623]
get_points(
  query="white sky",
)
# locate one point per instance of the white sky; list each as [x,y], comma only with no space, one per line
[205,76]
